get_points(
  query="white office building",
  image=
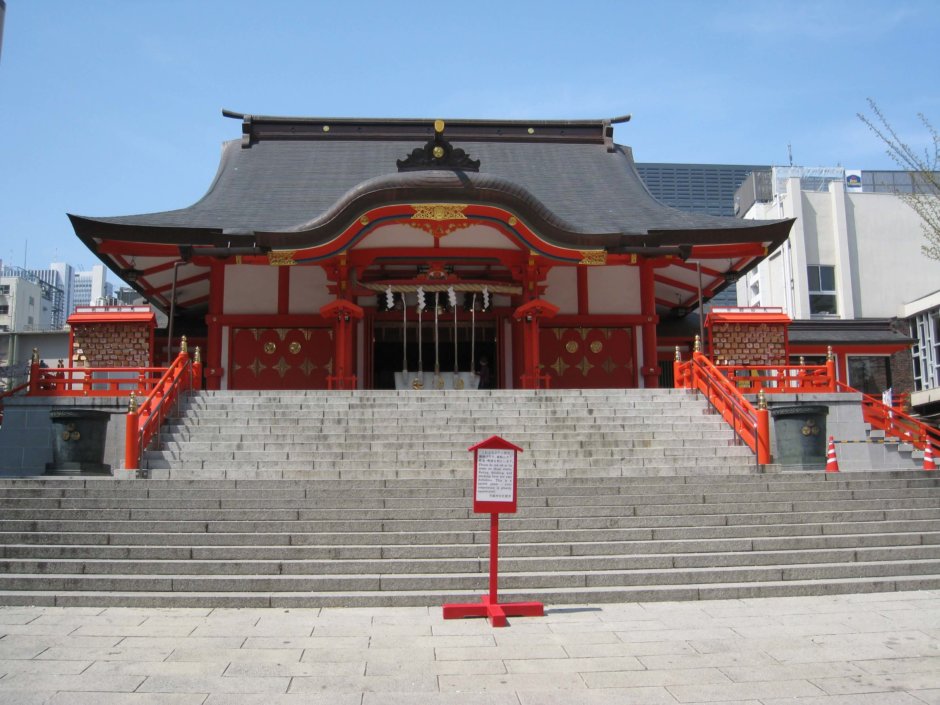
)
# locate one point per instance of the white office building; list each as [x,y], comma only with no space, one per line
[91,287]
[854,253]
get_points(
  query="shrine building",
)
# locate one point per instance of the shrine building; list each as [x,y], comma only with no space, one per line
[373,253]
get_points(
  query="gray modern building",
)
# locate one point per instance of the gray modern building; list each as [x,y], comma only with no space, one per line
[696,188]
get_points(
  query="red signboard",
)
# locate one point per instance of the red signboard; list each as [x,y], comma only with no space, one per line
[494,491]
[495,469]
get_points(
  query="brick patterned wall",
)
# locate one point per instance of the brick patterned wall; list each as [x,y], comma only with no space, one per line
[748,344]
[111,345]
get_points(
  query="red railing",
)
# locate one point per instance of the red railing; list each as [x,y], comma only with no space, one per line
[782,379]
[895,423]
[751,425]
[144,421]
[92,381]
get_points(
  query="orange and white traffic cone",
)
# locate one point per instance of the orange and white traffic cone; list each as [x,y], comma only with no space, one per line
[832,462]
[929,464]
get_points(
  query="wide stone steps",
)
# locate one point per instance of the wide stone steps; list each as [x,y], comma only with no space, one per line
[403,542]
[425,435]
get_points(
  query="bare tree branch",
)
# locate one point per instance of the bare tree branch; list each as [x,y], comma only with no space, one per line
[924,197]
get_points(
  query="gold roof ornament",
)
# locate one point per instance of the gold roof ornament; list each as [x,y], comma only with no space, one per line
[198,356]
[698,344]
[184,348]
[593,257]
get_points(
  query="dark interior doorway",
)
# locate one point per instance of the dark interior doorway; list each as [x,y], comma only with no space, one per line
[389,352]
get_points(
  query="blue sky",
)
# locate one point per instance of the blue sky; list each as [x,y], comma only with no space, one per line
[113,107]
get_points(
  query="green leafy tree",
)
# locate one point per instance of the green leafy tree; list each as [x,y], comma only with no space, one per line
[923,168]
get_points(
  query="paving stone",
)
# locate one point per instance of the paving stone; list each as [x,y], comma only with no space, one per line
[637,679]
[81,682]
[12,666]
[515,682]
[169,683]
[365,684]
[743,691]
[77,698]
[608,696]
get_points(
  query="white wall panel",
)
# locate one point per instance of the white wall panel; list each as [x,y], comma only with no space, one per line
[250,289]
[614,290]
[308,290]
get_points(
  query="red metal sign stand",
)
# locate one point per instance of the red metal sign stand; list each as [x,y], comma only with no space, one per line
[490,495]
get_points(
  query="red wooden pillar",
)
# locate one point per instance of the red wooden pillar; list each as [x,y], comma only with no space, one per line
[530,313]
[343,313]
[213,369]
[649,367]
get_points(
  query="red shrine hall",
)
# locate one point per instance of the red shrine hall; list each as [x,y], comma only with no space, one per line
[419,254]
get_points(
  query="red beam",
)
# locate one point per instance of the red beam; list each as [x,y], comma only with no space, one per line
[137,249]
[675,282]
[691,267]
[744,249]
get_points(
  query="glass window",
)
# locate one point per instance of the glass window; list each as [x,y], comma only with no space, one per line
[821,283]
[870,374]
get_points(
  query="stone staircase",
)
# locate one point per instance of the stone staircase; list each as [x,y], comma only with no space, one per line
[425,435]
[385,542]
[364,498]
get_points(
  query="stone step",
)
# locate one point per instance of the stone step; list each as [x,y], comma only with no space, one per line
[379,499]
[404,598]
[445,564]
[83,546]
[548,580]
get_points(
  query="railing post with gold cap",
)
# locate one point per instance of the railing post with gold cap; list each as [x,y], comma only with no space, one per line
[831,368]
[131,436]
[197,370]
[677,379]
[763,430]
[696,352]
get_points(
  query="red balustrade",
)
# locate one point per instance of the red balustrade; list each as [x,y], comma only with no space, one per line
[750,424]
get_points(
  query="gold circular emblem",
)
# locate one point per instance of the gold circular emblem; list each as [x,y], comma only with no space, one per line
[326,128]
[438,152]
[458,383]
[438,125]
[364,220]
[571,346]
[512,220]
[416,383]
[531,131]
[74,436]
[270,347]
[294,347]
[597,346]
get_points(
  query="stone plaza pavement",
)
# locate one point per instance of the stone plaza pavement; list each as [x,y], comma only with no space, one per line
[860,649]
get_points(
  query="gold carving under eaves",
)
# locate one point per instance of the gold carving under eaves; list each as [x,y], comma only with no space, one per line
[593,257]
[281,258]
[270,347]
[439,219]
[294,348]
[439,211]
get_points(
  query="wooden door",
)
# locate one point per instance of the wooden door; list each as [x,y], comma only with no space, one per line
[281,358]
